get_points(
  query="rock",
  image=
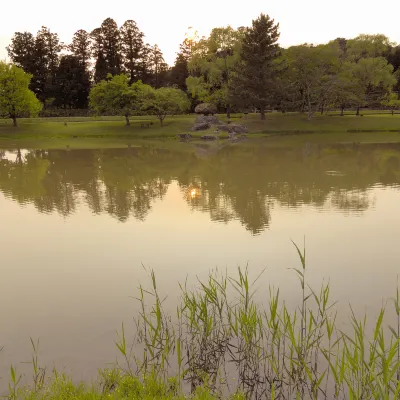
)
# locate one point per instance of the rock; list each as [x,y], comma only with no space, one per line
[201,126]
[209,137]
[205,109]
[238,128]
[232,128]
[184,135]
[225,128]
[211,119]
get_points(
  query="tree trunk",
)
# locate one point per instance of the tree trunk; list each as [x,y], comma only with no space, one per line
[322,109]
[228,112]
[14,119]
[161,120]
[262,112]
[358,110]
[127,120]
[342,112]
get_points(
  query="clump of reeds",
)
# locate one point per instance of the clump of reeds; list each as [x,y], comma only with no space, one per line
[223,340]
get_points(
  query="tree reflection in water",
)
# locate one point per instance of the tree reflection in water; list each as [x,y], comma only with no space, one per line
[236,182]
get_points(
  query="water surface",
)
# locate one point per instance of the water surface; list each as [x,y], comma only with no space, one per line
[78,226]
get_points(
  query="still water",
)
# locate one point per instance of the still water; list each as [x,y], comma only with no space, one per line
[77,227]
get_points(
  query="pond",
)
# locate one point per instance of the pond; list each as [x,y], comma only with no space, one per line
[79,227]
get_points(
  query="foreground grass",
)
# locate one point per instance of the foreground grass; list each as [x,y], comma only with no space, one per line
[221,344]
[90,132]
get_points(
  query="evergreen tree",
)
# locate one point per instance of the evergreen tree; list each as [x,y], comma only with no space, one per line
[111,46]
[131,48]
[180,72]
[255,73]
[22,51]
[100,66]
[72,83]
[80,47]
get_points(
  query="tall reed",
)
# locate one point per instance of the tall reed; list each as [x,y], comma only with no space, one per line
[221,339]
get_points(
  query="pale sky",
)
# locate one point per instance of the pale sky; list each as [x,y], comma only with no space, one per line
[165,21]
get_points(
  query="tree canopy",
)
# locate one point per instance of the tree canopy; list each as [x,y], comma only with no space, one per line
[114,96]
[16,100]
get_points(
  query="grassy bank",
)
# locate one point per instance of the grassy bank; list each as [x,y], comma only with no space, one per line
[87,132]
[221,344]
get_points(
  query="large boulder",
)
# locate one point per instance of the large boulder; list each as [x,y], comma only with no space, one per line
[205,109]
[201,126]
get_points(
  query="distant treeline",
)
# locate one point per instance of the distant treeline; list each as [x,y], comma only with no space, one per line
[236,69]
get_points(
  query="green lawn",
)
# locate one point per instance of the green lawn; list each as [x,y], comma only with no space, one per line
[88,132]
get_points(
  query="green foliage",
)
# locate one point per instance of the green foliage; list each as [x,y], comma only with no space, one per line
[392,101]
[165,101]
[16,100]
[115,96]
[211,65]
[313,73]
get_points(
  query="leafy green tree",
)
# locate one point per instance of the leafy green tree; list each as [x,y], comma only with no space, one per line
[16,100]
[373,77]
[115,96]
[131,48]
[392,101]
[213,61]
[365,46]
[256,72]
[315,72]
[165,101]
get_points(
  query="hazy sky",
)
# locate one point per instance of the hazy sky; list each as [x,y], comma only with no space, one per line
[165,21]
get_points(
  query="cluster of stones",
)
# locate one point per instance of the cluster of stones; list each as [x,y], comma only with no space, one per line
[206,119]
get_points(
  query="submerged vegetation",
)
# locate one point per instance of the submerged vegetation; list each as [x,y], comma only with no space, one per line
[222,344]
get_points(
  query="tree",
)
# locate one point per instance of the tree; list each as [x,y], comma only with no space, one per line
[391,101]
[80,47]
[49,48]
[374,79]
[131,48]
[100,66]
[156,66]
[111,46]
[106,50]
[116,97]
[165,101]
[314,71]
[72,83]
[255,73]
[16,100]
[180,72]
[364,46]
[22,51]
[214,59]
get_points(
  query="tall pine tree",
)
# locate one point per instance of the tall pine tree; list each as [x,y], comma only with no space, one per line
[131,49]
[255,73]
